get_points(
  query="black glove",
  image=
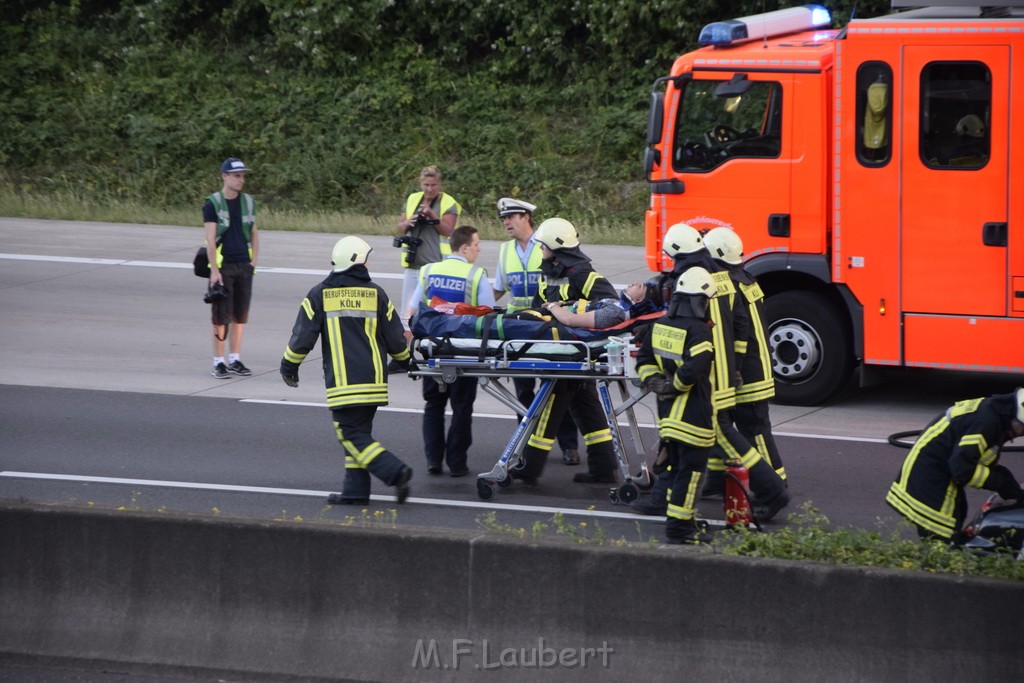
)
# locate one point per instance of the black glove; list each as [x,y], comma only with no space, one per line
[661,386]
[291,378]
[404,365]
[1005,483]
[737,379]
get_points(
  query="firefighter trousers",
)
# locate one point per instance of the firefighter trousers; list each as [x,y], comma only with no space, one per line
[765,483]
[687,466]
[363,455]
[755,425]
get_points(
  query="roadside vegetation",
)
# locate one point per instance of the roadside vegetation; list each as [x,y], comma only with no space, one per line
[124,110]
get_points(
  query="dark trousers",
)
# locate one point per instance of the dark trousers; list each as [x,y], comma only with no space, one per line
[452,449]
[687,464]
[578,397]
[568,439]
[755,425]
[363,454]
[765,483]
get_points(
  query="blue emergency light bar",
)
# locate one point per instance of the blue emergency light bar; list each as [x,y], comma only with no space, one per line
[766,25]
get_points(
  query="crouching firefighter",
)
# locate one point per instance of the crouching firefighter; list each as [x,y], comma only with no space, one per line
[675,362]
[358,327]
[959,448]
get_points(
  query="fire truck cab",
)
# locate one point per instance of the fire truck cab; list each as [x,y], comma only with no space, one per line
[870,173]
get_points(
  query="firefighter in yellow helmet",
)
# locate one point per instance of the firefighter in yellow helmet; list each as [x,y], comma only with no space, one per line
[358,328]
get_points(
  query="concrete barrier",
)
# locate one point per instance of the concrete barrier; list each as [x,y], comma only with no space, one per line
[311,600]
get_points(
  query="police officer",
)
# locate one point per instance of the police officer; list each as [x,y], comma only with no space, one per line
[567,276]
[518,273]
[357,326]
[958,448]
[675,362]
[757,384]
[455,280]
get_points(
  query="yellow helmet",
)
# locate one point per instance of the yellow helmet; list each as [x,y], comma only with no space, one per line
[681,239]
[557,233]
[724,245]
[349,251]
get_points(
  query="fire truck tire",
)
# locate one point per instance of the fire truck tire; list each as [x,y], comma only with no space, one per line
[810,346]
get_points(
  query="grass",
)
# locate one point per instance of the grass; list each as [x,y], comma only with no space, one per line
[73,207]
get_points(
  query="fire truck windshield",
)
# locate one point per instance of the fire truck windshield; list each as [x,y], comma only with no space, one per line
[711,129]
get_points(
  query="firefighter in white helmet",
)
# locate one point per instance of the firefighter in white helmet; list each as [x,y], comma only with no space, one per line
[757,384]
[675,362]
[338,312]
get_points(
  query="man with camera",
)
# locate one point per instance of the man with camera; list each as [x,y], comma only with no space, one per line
[428,220]
[229,219]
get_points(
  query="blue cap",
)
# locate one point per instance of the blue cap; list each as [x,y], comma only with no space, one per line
[233,165]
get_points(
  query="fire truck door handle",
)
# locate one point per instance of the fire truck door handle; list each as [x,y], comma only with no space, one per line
[994,234]
[778,225]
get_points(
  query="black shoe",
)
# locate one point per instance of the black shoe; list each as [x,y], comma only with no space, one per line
[220,371]
[571,457]
[460,473]
[433,469]
[342,499]
[764,512]
[239,369]
[402,485]
[526,480]
[648,507]
[690,535]
[588,478]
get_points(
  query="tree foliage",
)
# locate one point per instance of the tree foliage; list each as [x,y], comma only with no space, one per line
[339,104]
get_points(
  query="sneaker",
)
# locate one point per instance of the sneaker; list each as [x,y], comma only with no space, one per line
[342,499]
[402,485]
[571,457]
[239,369]
[763,512]
[588,478]
[220,371]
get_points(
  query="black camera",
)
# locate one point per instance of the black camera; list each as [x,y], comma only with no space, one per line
[410,242]
[215,293]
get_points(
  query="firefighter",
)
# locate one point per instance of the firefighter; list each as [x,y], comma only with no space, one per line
[358,327]
[729,324]
[567,276]
[958,448]
[675,362]
[756,384]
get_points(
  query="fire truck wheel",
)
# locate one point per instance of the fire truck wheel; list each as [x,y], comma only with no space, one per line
[810,346]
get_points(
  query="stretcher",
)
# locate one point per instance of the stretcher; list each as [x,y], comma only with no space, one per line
[603,361]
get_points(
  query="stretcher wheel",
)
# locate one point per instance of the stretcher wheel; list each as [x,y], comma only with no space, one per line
[628,492]
[613,494]
[505,482]
[484,489]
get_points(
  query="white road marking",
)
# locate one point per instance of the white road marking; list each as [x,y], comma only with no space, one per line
[440,502]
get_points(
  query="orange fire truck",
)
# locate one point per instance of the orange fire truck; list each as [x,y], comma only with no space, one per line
[875,174]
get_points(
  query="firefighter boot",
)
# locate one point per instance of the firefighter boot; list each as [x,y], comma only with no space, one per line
[355,490]
[656,503]
[686,532]
[770,492]
[393,472]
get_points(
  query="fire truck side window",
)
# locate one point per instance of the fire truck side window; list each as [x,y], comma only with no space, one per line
[712,129]
[874,113]
[956,103]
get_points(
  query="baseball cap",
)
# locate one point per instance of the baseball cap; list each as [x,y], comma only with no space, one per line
[233,165]
[508,206]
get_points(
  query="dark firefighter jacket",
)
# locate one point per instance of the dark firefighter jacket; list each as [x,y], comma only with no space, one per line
[358,326]
[756,363]
[680,348]
[570,277]
[959,448]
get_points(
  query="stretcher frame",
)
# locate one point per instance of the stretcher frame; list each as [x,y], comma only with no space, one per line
[588,363]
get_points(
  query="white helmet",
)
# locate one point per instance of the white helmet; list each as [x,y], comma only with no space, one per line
[724,245]
[557,233]
[349,251]
[1020,404]
[696,280]
[681,239]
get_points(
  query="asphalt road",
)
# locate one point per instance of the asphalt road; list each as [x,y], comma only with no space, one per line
[106,399]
